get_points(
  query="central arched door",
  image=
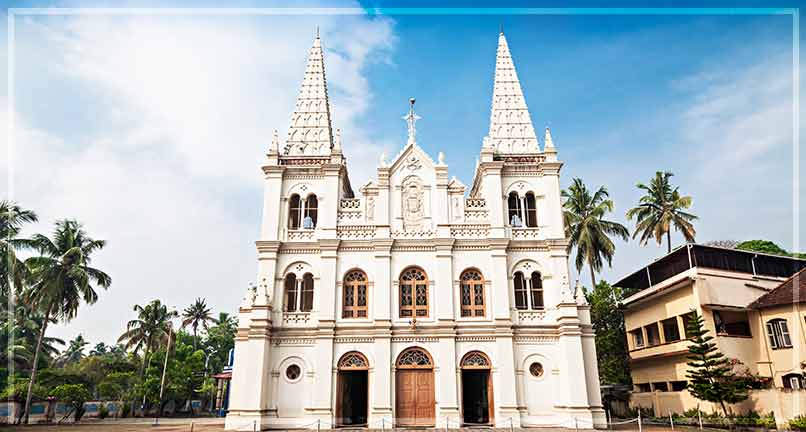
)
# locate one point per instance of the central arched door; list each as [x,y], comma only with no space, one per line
[414,390]
[352,398]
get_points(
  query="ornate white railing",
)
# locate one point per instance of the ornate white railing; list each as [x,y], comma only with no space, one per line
[300,235]
[525,233]
[292,319]
[526,317]
[470,231]
[355,232]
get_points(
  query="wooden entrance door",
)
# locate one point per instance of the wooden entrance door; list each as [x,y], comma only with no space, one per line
[414,396]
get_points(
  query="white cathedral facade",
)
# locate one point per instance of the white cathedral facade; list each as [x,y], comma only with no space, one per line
[419,303]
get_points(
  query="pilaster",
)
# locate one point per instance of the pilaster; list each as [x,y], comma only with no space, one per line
[444,280]
[272,199]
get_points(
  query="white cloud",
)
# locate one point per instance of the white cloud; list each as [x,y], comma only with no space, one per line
[151,131]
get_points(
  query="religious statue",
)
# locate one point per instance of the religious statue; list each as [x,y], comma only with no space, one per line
[413,204]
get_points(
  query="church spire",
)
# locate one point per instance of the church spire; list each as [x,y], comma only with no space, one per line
[310,132]
[511,129]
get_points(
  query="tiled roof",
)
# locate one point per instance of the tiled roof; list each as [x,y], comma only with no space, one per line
[786,293]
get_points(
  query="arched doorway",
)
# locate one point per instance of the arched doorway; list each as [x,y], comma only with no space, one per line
[477,389]
[414,389]
[352,398]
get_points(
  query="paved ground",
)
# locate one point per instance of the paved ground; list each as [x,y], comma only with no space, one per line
[217,424]
[209,425]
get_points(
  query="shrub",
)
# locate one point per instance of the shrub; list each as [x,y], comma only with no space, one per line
[798,423]
[103,411]
[73,394]
[125,409]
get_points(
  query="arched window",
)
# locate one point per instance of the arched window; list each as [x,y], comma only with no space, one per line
[531,210]
[294,210]
[778,334]
[471,290]
[302,213]
[311,207]
[514,217]
[355,295]
[537,291]
[306,301]
[413,293]
[521,301]
[290,300]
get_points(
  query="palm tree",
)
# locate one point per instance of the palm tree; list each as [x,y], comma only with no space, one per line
[197,315]
[149,330]
[227,321]
[18,337]
[74,351]
[586,228]
[12,218]
[659,209]
[61,277]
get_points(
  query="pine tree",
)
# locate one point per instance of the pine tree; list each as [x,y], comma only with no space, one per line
[710,373]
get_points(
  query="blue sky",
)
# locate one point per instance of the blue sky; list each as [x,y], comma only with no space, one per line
[151,129]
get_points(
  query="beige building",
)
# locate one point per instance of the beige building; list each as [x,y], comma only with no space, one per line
[747,307]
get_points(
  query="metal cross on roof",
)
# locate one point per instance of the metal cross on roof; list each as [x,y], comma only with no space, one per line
[411,119]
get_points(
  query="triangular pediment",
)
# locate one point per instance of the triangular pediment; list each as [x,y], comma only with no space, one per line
[413,158]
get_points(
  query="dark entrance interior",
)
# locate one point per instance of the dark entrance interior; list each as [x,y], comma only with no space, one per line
[475,396]
[353,398]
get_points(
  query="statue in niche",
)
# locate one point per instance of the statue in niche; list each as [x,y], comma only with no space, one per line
[370,208]
[413,204]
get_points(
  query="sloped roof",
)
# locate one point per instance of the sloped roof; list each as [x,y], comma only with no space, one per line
[792,290]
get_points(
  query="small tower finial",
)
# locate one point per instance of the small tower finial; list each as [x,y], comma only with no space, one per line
[275,142]
[317,32]
[548,140]
[501,28]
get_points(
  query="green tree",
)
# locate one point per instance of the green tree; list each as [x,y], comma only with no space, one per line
[182,376]
[149,330]
[220,339]
[611,338]
[116,386]
[61,277]
[74,395]
[763,246]
[12,219]
[710,373]
[586,228]
[74,351]
[197,315]
[660,209]
[19,332]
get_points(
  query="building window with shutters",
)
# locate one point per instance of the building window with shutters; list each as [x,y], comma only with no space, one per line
[471,291]
[778,334]
[354,288]
[413,293]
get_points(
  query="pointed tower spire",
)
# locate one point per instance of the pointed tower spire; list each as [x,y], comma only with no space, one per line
[511,129]
[310,132]
[548,141]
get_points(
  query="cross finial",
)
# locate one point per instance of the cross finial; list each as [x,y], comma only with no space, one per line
[411,120]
